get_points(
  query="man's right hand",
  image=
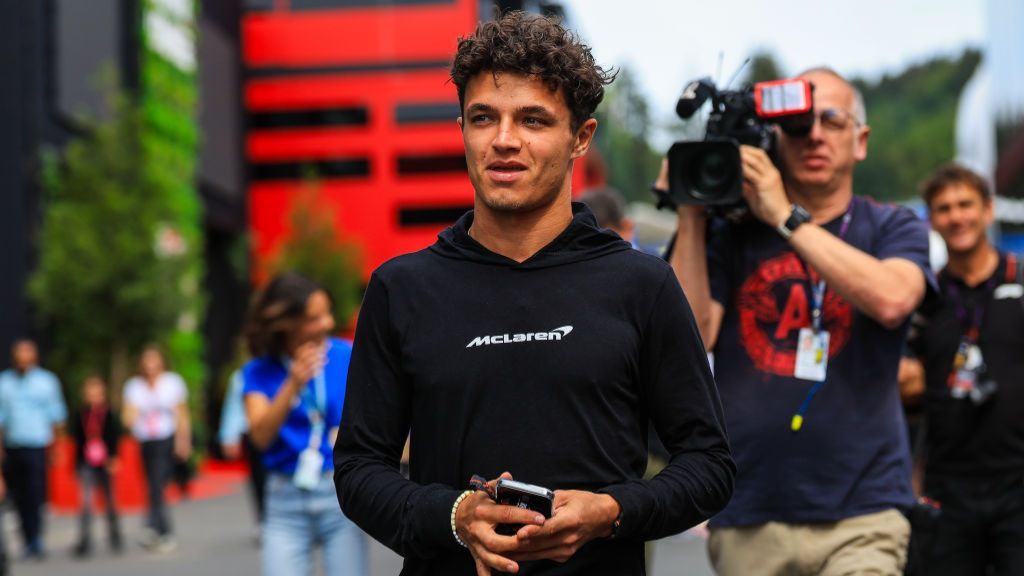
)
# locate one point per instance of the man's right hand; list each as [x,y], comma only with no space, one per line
[763,188]
[475,521]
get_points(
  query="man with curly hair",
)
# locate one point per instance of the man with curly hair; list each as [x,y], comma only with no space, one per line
[527,342]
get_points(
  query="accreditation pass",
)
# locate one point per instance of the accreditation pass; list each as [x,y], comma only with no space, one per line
[811,355]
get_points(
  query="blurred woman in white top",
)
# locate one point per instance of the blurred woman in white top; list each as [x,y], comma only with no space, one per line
[156,412]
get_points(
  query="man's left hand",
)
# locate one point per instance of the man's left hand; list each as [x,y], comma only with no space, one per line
[762,187]
[578,517]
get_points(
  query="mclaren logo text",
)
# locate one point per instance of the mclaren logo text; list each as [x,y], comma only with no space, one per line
[556,334]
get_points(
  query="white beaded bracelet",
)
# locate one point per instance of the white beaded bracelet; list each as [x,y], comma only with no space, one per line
[455,508]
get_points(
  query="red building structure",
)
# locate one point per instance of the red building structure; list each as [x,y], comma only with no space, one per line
[357,95]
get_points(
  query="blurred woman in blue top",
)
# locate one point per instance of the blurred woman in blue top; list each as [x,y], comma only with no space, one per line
[294,390]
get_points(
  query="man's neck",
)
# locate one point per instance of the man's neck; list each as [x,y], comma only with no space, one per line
[824,205]
[974,266]
[518,236]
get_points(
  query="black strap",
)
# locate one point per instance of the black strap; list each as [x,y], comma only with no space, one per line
[665,200]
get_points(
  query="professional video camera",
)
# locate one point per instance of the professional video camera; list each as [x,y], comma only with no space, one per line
[709,172]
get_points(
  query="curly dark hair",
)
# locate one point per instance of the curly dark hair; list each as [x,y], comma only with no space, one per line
[534,46]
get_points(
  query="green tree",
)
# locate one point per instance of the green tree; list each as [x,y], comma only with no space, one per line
[912,116]
[119,254]
[762,67]
[622,138]
[314,249]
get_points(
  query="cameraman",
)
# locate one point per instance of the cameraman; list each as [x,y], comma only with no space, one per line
[805,309]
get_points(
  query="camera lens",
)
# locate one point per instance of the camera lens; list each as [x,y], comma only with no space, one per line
[711,174]
[705,172]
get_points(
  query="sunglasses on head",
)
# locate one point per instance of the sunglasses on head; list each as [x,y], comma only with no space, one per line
[830,118]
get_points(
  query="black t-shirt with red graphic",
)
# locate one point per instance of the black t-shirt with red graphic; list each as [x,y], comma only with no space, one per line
[851,456]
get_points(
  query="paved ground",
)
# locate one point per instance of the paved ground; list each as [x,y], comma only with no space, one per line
[216,536]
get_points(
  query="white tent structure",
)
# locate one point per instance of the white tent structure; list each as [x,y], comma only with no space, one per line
[993,96]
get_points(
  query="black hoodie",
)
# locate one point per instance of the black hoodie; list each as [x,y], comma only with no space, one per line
[550,369]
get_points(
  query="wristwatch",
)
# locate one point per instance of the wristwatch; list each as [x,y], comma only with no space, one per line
[797,217]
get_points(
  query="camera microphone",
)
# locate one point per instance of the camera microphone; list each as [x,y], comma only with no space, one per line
[694,96]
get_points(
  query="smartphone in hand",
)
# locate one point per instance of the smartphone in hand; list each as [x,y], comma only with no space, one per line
[522,495]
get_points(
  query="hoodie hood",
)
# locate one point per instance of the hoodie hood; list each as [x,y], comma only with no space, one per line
[581,240]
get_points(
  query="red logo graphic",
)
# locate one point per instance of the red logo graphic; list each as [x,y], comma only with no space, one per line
[774,304]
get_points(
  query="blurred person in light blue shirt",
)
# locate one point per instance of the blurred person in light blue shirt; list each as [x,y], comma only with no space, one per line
[232,417]
[234,439]
[32,415]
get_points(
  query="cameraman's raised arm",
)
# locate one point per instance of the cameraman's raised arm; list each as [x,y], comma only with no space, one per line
[886,288]
[689,261]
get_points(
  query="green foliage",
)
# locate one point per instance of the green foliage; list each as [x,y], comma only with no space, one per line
[120,249]
[624,126]
[762,67]
[315,250]
[106,285]
[168,97]
[912,117]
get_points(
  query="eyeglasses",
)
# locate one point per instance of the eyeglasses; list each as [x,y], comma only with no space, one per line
[835,119]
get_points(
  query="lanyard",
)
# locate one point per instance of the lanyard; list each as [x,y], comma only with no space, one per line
[315,398]
[818,288]
[316,410]
[817,306]
[976,312]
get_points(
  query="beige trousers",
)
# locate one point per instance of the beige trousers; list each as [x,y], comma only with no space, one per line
[873,544]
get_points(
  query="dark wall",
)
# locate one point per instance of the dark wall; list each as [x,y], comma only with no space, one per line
[17,49]
[221,180]
[51,52]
